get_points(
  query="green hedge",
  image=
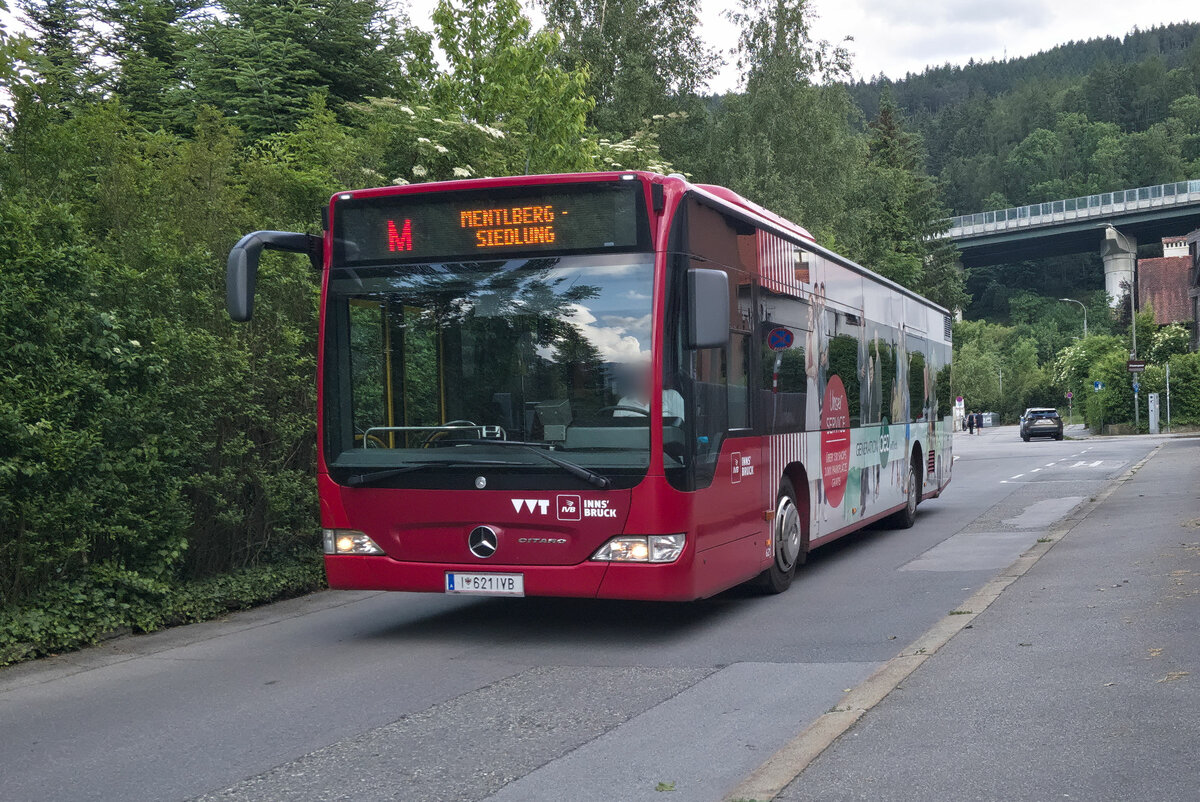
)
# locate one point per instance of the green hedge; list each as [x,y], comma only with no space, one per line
[1114,404]
[80,612]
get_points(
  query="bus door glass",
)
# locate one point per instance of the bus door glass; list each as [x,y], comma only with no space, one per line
[715,382]
[370,364]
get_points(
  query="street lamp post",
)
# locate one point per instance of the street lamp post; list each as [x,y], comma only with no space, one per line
[1084,308]
[1137,423]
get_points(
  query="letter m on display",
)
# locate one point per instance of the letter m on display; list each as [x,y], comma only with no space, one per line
[401,241]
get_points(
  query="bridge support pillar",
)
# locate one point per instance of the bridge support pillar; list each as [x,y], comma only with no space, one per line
[1120,263]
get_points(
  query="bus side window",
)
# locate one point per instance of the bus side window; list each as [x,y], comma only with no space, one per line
[918,379]
[784,383]
[847,361]
[884,368]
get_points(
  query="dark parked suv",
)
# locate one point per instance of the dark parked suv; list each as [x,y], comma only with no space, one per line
[1041,422]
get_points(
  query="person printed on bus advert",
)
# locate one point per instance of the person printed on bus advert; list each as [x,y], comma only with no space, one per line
[816,364]
[638,381]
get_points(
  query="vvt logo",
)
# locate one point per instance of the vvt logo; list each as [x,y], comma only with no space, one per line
[530,504]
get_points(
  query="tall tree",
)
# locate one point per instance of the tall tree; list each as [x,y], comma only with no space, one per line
[785,142]
[642,56]
[503,74]
[62,51]
[259,61]
[901,218]
[145,43]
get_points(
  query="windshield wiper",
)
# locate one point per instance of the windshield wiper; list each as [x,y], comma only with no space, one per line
[369,477]
[576,470]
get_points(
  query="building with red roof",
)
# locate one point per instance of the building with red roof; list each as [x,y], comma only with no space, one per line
[1165,282]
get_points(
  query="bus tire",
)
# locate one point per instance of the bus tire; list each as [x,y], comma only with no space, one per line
[907,516]
[788,536]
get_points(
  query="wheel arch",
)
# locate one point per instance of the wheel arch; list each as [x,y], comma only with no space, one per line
[797,474]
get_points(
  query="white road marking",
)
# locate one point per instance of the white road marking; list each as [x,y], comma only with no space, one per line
[1081,462]
[1096,464]
[1051,464]
[1035,470]
[1018,476]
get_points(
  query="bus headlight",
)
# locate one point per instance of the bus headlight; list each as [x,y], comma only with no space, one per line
[642,549]
[348,541]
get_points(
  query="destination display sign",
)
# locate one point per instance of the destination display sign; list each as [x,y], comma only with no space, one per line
[608,216]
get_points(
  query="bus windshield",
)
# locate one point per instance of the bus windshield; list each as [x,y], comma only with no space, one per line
[432,364]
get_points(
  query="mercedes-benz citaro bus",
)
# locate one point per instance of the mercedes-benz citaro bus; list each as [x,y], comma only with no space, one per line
[616,385]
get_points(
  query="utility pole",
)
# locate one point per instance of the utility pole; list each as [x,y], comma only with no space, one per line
[1132,323]
[1168,397]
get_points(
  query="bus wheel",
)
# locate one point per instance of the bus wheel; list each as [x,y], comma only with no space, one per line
[790,543]
[905,518]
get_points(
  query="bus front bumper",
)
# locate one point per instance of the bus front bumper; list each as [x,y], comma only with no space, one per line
[591,579]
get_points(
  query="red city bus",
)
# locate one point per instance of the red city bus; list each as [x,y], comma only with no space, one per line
[614,385]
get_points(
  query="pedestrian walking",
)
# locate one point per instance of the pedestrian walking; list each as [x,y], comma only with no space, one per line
[971,422]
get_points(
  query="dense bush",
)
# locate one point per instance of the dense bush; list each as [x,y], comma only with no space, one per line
[96,603]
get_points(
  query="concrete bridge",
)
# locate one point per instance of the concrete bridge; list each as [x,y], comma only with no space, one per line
[1110,221]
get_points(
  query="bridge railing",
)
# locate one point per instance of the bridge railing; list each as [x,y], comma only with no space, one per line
[1053,212]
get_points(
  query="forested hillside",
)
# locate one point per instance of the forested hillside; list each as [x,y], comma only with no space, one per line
[1081,118]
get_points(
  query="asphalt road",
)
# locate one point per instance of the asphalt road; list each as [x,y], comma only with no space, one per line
[370,696]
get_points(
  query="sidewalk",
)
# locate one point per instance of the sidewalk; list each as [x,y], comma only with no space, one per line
[1082,681]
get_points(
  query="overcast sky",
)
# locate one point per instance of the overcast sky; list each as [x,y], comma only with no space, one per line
[896,36]
[899,37]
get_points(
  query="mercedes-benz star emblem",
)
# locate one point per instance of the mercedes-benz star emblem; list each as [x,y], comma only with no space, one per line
[480,482]
[482,541]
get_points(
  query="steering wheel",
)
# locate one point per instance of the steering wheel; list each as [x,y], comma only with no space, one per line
[623,408]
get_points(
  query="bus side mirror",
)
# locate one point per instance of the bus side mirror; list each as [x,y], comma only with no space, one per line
[709,313]
[241,270]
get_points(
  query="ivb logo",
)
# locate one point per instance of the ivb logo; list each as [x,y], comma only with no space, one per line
[569,508]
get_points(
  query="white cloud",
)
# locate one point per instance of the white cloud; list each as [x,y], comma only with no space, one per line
[895,38]
[614,340]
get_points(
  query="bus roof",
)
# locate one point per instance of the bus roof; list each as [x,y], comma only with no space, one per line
[721,195]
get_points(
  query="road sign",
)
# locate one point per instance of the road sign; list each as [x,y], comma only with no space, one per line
[1070,394]
[1136,365]
[1097,386]
[780,339]
[1136,387]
